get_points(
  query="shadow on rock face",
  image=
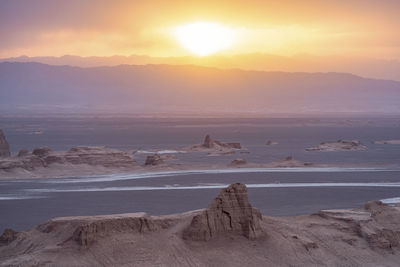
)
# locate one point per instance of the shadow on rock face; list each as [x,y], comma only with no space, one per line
[4,146]
[231,212]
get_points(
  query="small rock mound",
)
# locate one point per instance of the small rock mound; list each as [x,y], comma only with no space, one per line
[4,146]
[229,212]
[23,153]
[41,152]
[238,162]
[340,145]
[8,236]
[154,160]
[289,162]
[271,143]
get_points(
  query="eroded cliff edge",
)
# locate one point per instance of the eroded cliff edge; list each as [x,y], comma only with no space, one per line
[228,233]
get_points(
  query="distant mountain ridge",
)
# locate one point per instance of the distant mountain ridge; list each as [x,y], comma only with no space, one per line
[36,87]
[365,67]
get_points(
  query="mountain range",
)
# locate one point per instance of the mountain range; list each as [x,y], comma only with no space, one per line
[364,67]
[188,89]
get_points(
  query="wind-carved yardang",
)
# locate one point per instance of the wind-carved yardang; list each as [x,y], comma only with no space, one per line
[4,146]
[230,211]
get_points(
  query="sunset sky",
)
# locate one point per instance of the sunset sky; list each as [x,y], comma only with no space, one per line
[364,28]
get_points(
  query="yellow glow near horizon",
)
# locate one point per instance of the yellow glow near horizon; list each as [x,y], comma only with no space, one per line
[205,38]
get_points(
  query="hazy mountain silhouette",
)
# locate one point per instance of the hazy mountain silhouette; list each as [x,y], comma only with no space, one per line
[188,89]
[365,67]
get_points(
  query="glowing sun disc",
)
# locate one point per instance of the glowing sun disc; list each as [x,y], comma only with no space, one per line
[205,38]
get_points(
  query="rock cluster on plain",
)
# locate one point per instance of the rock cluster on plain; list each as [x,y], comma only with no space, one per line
[229,212]
[340,145]
[4,146]
[210,145]
[44,157]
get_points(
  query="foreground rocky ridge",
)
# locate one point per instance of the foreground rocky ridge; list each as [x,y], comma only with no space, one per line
[369,236]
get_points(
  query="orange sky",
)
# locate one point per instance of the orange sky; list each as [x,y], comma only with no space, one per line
[367,28]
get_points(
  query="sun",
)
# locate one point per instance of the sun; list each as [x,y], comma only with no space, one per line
[205,38]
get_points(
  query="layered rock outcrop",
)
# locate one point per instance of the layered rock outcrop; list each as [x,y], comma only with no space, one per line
[210,143]
[44,157]
[8,236]
[4,146]
[41,151]
[229,212]
[340,145]
[214,146]
[103,156]
[154,160]
[374,223]
[87,232]
[23,153]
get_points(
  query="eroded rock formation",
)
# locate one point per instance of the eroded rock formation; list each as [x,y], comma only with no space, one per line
[340,145]
[214,146]
[23,153]
[154,160]
[229,212]
[41,151]
[4,146]
[208,142]
[8,236]
[44,157]
[102,156]
[89,232]
[271,143]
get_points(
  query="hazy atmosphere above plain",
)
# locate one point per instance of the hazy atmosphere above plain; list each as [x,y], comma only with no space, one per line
[346,37]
